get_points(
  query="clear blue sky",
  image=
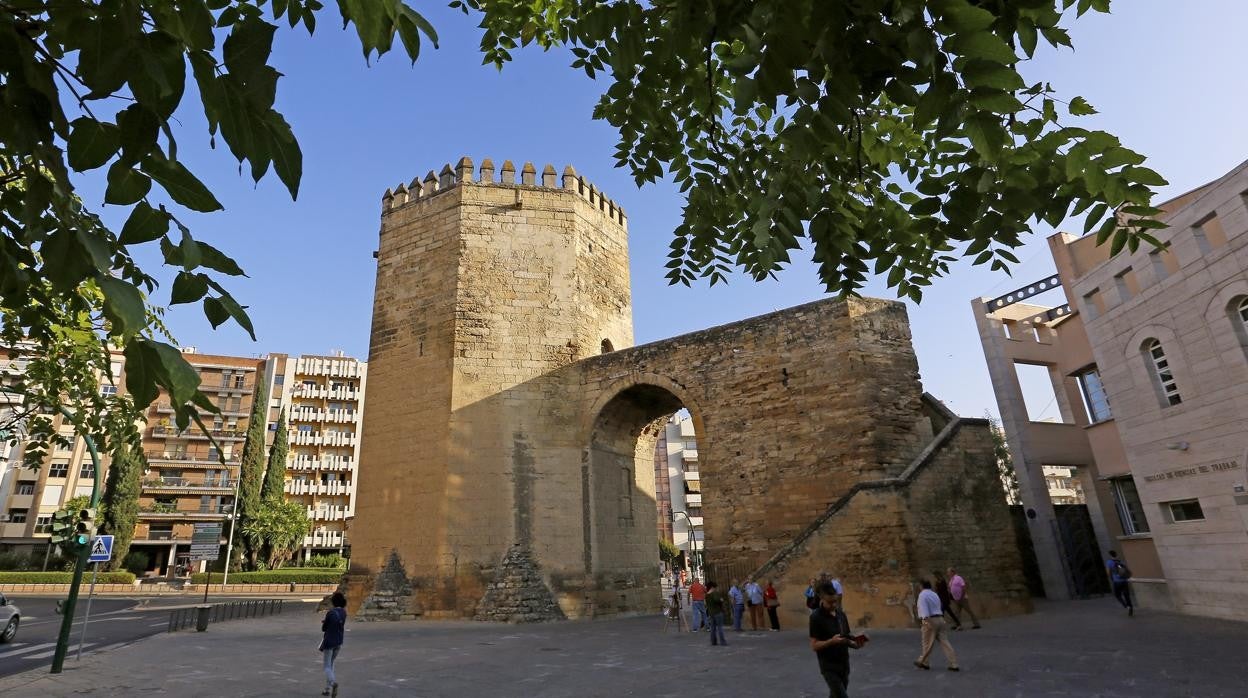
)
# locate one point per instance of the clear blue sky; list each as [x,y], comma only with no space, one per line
[1165,77]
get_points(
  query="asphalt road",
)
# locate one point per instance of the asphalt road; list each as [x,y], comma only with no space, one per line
[115,622]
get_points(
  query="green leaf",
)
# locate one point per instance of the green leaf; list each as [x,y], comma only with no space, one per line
[983,44]
[188,288]
[981,73]
[213,258]
[91,143]
[935,99]
[1145,176]
[237,312]
[182,186]
[1080,107]
[126,185]
[215,311]
[1094,216]
[144,225]
[962,18]
[287,157]
[997,101]
[1027,36]
[123,305]
[986,134]
[247,48]
[189,253]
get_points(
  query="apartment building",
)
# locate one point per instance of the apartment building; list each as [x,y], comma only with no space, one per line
[30,495]
[191,479]
[1148,360]
[676,462]
[323,397]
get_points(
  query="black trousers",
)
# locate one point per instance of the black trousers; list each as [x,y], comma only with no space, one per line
[838,683]
[1122,592]
[775,619]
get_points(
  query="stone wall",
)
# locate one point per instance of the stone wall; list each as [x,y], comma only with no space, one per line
[946,509]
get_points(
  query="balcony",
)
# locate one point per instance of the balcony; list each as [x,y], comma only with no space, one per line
[179,484]
[326,513]
[317,438]
[689,454]
[325,488]
[188,461]
[324,539]
[21,501]
[306,464]
[218,434]
[168,512]
[167,408]
[693,499]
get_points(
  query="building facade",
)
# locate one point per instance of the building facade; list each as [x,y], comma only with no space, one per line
[681,501]
[1149,364]
[323,397]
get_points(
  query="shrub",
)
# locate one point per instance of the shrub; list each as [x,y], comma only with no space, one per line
[135,562]
[282,576]
[62,578]
[329,562]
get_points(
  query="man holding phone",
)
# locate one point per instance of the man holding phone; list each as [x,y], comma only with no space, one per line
[831,640]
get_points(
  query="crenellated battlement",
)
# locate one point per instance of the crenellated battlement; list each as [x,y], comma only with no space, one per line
[464,173]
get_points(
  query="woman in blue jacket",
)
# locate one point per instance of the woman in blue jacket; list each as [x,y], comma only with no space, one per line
[333,627]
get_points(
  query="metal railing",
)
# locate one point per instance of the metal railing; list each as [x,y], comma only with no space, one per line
[183,618]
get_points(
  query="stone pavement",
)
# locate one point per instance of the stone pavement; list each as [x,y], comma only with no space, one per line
[1083,648]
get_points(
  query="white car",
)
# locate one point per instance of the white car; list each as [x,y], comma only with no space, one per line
[10,617]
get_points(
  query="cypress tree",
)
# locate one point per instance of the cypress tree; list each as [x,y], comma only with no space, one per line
[251,471]
[120,501]
[275,475]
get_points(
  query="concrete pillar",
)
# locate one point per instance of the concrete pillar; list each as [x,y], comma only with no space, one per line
[172,560]
[1092,499]
[1033,491]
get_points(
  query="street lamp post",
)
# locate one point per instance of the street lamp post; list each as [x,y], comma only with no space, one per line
[693,541]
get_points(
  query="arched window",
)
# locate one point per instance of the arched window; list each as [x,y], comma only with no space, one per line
[1163,375]
[1237,309]
[607,347]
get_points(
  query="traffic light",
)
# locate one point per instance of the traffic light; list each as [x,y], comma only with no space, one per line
[86,527]
[62,526]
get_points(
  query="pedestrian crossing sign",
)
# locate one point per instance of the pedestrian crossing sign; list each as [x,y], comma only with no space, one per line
[101,549]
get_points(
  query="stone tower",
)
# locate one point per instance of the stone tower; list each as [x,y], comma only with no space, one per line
[487,281]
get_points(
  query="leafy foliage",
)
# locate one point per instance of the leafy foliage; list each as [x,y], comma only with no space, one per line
[275,474]
[1005,463]
[135,561]
[120,503]
[278,527]
[93,86]
[668,552]
[887,136]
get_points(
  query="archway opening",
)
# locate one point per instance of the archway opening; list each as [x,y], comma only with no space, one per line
[638,477]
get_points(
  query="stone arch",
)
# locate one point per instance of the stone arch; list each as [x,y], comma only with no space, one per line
[1227,331]
[618,493]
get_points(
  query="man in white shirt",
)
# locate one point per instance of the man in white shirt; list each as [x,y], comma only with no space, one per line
[754,599]
[931,617]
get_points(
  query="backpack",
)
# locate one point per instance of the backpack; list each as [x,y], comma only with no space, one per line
[1121,570]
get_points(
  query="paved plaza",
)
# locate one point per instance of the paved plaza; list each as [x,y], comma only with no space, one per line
[1084,648]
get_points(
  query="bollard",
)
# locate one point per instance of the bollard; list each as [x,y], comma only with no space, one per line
[292,587]
[201,620]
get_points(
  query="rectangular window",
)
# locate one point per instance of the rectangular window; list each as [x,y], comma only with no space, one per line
[240,381]
[279,380]
[58,469]
[87,471]
[107,390]
[1184,510]
[1094,398]
[160,532]
[1127,502]
[225,379]
[18,515]
[305,428]
[26,488]
[43,524]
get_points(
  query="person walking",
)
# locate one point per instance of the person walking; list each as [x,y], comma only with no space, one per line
[772,602]
[934,629]
[716,604]
[754,600]
[959,592]
[697,599]
[738,605]
[831,640]
[1119,580]
[812,594]
[333,628]
[941,587]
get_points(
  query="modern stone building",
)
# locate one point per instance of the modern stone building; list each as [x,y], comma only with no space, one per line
[1149,364]
[323,397]
[508,452]
[677,465]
